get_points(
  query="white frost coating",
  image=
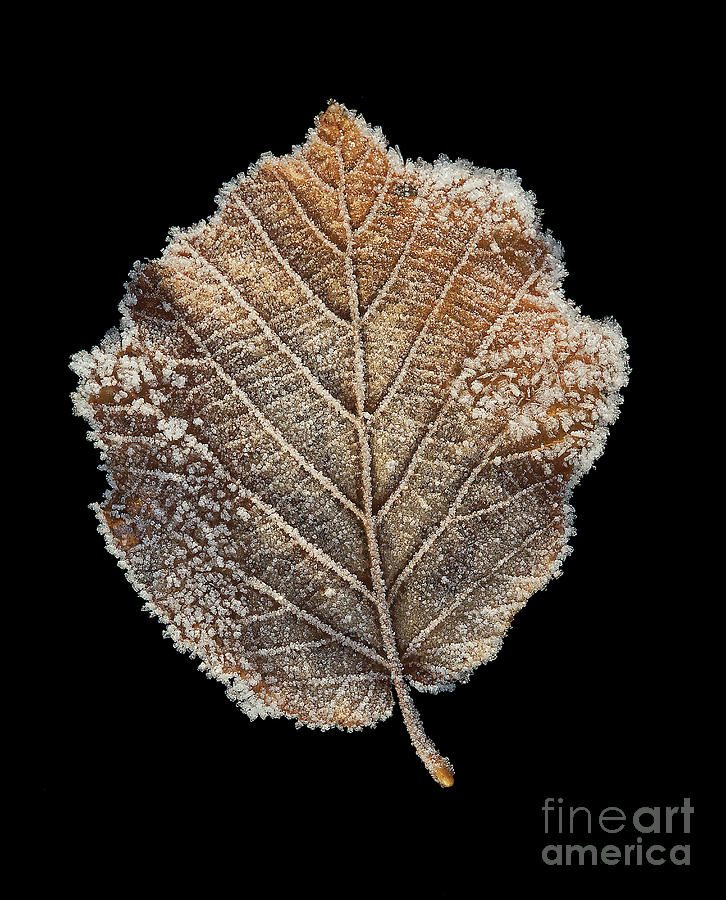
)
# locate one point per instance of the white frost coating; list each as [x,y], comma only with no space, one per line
[342,420]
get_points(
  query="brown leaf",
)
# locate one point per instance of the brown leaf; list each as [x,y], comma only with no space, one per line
[341,422]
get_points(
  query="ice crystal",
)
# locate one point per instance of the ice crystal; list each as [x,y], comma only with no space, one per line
[341,422]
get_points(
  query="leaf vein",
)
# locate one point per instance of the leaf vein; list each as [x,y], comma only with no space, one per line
[270,429]
[272,336]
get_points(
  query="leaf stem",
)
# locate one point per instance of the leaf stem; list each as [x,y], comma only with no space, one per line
[438,766]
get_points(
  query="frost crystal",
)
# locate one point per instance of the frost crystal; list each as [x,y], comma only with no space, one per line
[341,422]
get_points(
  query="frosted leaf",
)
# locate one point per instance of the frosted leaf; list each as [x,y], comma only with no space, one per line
[341,422]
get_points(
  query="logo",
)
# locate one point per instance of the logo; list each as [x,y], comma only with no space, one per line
[648,836]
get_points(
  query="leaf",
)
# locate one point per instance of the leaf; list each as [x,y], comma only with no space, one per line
[341,422]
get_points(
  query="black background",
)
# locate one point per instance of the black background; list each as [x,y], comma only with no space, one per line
[141,762]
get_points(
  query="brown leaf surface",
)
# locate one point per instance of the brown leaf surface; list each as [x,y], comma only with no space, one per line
[341,422]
